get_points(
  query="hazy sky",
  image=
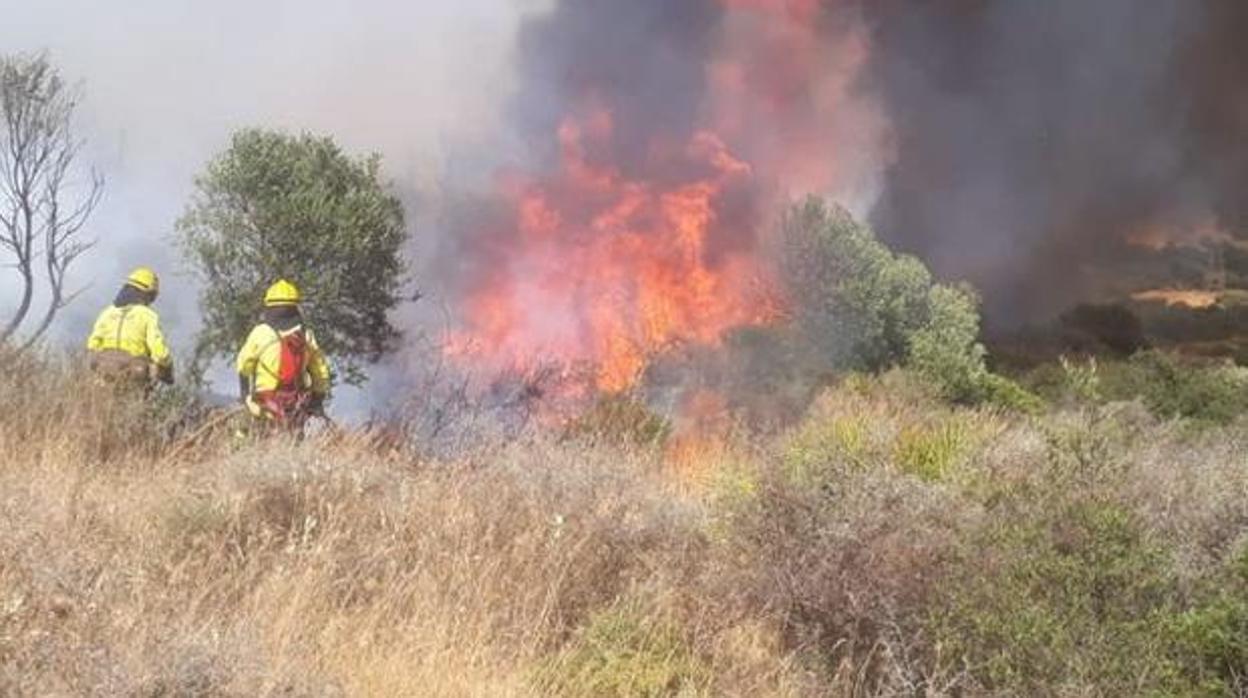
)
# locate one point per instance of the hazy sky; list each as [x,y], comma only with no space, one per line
[167,81]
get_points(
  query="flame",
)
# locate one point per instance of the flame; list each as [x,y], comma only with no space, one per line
[698,443]
[610,270]
[605,264]
[1159,237]
[1172,297]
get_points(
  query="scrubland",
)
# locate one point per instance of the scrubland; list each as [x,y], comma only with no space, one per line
[888,544]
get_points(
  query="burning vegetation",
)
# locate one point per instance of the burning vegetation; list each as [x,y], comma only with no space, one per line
[608,271]
[649,232]
[787,465]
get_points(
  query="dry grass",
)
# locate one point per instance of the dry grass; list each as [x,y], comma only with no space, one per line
[813,564]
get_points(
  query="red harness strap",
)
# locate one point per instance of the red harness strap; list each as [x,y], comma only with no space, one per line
[287,406]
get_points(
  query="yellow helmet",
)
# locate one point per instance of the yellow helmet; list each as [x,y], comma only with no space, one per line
[144,279]
[282,293]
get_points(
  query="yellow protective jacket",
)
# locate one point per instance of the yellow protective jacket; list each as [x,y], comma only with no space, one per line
[133,329]
[260,360]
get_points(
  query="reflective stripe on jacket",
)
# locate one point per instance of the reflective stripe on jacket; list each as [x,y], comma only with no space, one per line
[260,361]
[133,329]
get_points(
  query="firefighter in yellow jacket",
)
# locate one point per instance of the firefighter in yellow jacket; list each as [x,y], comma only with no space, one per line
[126,343]
[283,376]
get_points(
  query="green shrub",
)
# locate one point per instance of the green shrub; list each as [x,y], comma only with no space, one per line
[1171,387]
[1211,639]
[865,308]
[817,443]
[855,300]
[1068,381]
[1007,394]
[1070,598]
[930,451]
[625,652]
[945,350]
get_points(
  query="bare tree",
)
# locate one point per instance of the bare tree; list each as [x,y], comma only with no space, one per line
[43,208]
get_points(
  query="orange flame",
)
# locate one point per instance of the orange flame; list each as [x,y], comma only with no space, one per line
[699,441]
[1174,297]
[1158,237]
[611,270]
[605,265]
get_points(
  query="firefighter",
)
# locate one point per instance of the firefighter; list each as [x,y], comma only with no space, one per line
[126,344]
[283,377]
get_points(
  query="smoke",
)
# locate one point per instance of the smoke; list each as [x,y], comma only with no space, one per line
[166,83]
[1037,140]
[1028,147]
[663,139]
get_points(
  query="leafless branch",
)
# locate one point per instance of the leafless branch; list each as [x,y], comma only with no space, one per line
[43,211]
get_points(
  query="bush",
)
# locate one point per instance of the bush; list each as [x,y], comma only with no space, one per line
[1072,598]
[855,300]
[945,349]
[930,451]
[1211,639]
[624,652]
[865,308]
[1171,387]
[1007,394]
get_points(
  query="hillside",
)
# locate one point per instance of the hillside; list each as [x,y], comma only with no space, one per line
[888,545]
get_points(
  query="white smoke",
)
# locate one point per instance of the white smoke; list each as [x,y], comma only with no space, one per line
[166,82]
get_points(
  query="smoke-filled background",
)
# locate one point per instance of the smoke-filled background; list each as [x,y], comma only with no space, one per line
[601,177]
[1037,140]
[1050,153]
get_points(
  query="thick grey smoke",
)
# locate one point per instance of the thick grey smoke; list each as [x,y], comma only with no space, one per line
[1017,144]
[654,127]
[1024,146]
[1035,139]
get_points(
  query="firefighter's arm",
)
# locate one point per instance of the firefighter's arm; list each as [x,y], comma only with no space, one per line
[318,368]
[157,350]
[248,356]
[96,341]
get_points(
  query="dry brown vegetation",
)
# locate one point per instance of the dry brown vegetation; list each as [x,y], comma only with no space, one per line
[888,545]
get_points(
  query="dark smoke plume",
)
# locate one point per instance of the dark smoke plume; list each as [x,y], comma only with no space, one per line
[643,59]
[1024,146]
[1035,139]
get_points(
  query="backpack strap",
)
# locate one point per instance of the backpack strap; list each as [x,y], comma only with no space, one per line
[278,339]
[121,325]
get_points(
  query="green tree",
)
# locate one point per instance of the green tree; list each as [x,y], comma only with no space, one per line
[864,307]
[855,299]
[945,349]
[279,206]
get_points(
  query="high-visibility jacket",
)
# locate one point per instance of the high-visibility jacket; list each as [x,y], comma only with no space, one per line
[260,360]
[133,329]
